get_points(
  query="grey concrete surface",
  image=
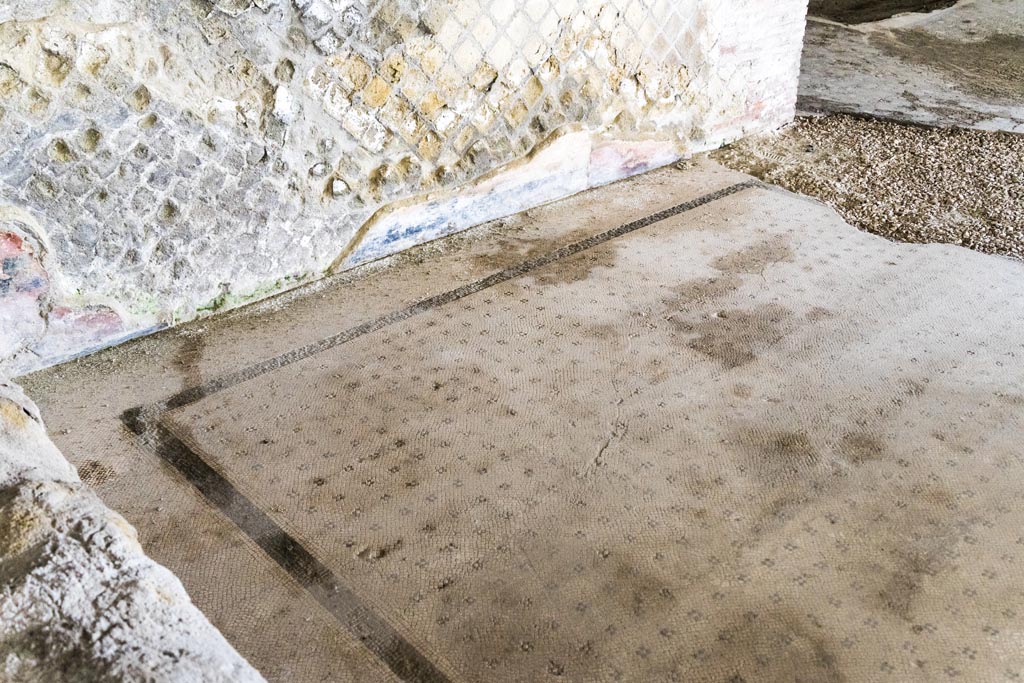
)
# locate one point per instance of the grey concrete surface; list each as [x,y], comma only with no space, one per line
[742,442]
[958,66]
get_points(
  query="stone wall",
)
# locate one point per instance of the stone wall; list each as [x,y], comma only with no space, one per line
[160,160]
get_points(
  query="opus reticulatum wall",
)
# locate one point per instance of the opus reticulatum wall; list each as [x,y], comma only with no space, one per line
[160,160]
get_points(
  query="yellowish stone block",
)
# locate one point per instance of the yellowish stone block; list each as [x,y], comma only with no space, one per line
[376,92]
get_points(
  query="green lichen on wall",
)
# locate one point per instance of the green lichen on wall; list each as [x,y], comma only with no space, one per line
[227,299]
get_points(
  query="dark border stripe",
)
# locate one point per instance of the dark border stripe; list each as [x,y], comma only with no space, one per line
[372,630]
[201,391]
[408,663]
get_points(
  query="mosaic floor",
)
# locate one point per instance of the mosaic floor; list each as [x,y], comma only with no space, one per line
[682,428]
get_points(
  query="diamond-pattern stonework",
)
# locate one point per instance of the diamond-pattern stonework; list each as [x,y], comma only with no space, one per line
[181,157]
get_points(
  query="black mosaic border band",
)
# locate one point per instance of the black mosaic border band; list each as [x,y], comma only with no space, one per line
[201,391]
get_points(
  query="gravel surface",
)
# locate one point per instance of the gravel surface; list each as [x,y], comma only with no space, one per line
[907,183]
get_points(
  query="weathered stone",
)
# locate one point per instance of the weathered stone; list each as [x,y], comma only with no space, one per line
[79,601]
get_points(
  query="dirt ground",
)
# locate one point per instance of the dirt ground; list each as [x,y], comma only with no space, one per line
[903,182]
[991,68]
[859,11]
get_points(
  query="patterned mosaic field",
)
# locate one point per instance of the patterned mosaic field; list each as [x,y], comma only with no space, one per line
[629,464]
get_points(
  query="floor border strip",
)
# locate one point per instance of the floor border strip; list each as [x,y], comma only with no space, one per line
[372,630]
[191,395]
[379,636]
